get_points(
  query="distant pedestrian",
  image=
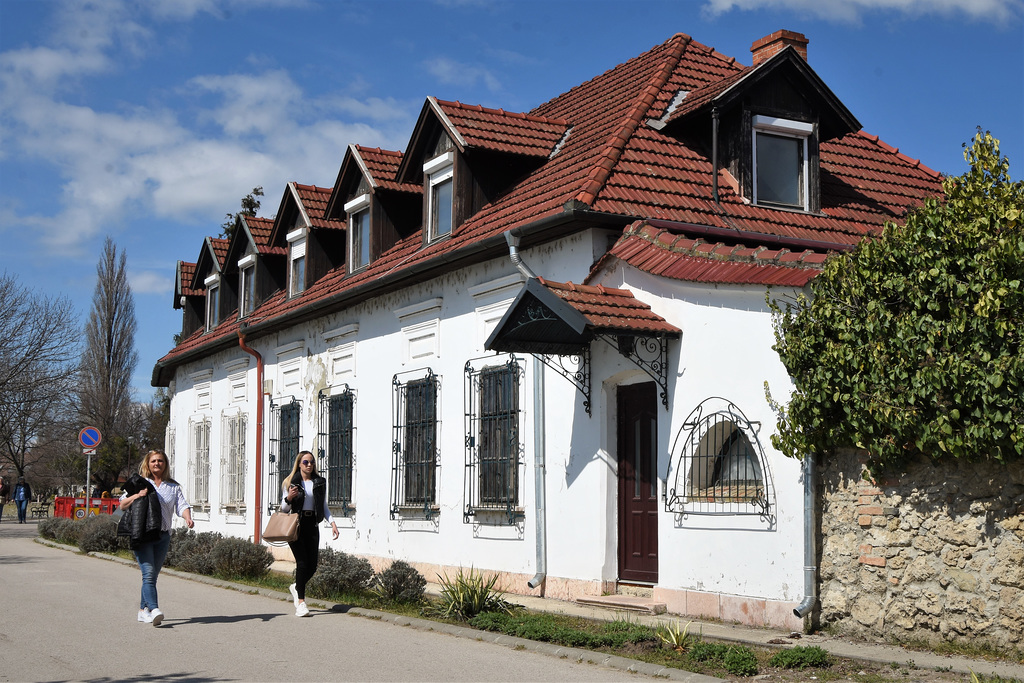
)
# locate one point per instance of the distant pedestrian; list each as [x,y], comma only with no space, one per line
[22,495]
[150,538]
[5,494]
[305,492]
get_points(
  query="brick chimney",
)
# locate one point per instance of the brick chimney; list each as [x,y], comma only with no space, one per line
[772,44]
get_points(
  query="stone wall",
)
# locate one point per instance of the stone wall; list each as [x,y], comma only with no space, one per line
[933,553]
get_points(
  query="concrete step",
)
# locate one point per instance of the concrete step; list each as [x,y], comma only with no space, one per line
[631,603]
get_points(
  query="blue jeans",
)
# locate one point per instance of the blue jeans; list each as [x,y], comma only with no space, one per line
[150,557]
[22,507]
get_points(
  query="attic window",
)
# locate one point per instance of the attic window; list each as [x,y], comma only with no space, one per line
[780,162]
[246,285]
[438,174]
[358,211]
[297,261]
[212,301]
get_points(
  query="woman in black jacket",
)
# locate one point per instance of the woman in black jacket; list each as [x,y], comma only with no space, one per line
[305,492]
[150,553]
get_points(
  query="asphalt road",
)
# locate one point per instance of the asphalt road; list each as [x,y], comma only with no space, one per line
[66,616]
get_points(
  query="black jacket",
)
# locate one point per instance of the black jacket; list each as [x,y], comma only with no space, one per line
[319,494]
[146,517]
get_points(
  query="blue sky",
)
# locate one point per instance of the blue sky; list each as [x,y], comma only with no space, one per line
[148,121]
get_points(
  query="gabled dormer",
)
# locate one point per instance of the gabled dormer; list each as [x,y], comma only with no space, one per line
[765,124]
[209,276]
[377,210]
[314,244]
[253,266]
[191,300]
[465,156]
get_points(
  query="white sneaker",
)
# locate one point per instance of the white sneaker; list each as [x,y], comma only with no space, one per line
[302,610]
[156,617]
[144,615]
[295,595]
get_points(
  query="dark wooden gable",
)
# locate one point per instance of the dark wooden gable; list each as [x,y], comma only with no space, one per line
[192,301]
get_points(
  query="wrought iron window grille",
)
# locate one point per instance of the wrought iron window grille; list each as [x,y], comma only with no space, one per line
[718,466]
[495,453]
[285,437]
[335,452]
[233,462]
[414,449]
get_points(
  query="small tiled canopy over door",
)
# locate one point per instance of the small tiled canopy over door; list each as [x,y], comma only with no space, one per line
[638,482]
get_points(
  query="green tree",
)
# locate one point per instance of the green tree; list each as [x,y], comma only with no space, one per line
[911,343]
[250,205]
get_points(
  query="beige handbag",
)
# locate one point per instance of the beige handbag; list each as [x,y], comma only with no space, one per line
[283,526]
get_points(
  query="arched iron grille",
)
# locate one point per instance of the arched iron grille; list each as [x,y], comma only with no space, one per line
[495,464]
[718,465]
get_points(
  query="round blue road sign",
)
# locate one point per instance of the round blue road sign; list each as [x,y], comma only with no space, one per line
[89,437]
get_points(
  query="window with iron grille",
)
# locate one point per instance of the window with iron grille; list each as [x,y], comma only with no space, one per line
[414,468]
[494,449]
[199,464]
[285,437]
[336,457]
[232,462]
[719,466]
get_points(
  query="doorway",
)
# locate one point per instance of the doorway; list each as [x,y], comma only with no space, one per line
[638,482]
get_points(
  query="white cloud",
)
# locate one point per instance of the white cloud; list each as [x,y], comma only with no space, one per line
[150,282]
[994,11]
[450,72]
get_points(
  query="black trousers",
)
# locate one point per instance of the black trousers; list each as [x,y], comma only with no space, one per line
[306,550]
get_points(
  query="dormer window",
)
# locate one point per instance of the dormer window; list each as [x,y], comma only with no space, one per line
[212,301]
[438,173]
[246,285]
[297,261]
[780,162]
[358,211]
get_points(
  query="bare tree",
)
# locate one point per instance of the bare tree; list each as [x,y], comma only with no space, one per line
[38,348]
[108,361]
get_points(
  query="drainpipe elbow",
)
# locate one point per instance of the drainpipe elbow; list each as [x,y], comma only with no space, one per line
[513,254]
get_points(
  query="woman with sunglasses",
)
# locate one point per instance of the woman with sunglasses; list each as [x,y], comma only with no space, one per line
[305,492]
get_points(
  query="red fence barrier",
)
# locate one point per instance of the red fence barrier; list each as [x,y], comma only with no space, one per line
[76,508]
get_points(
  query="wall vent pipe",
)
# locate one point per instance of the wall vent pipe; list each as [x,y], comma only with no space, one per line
[810,557]
[539,478]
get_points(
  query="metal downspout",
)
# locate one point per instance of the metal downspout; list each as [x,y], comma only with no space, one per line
[538,434]
[810,557]
[257,534]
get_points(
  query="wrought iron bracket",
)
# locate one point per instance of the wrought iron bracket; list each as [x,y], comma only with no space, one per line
[650,354]
[578,371]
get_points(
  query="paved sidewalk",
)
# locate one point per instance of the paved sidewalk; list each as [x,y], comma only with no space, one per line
[733,633]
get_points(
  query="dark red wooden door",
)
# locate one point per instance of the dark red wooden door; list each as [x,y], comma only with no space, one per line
[638,482]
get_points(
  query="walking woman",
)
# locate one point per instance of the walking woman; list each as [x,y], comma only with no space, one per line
[22,495]
[305,492]
[151,549]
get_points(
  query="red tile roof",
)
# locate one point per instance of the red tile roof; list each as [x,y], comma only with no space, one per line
[610,310]
[670,253]
[501,131]
[615,164]
[220,250]
[261,229]
[183,282]
[382,165]
[314,200]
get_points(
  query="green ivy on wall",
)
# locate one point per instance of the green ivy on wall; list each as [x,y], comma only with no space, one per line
[911,343]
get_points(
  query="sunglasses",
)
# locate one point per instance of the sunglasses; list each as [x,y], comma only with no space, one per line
[307,462]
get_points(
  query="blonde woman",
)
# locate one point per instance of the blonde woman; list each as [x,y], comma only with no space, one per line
[151,537]
[305,492]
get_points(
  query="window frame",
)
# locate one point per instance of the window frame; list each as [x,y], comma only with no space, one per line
[233,461]
[800,131]
[199,463]
[212,284]
[438,172]
[297,247]
[355,209]
[246,285]
[336,454]
[485,414]
[284,446]
[415,445]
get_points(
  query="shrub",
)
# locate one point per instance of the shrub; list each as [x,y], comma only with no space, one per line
[61,529]
[399,583]
[237,558]
[339,573]
[676,637]
[98,534]
[801,657]
[467,595]
[707,652]
[192,552]
[740,661]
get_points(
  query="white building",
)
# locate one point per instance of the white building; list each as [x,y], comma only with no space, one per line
[538,344]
